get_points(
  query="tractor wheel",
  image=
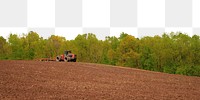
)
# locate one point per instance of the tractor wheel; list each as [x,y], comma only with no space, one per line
[66,60]
[58,59]
[74,60]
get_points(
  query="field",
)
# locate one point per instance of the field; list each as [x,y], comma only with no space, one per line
[59,80]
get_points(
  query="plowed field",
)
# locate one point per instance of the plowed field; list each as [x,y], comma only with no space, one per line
[60,80]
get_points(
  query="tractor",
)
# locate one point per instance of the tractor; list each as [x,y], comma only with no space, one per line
[67,57]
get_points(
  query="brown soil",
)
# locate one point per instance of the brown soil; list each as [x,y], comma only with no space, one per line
[60,80]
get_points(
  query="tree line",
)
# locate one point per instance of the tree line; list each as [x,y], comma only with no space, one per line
[174,53]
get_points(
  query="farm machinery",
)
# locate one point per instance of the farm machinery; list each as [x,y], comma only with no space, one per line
[67,57]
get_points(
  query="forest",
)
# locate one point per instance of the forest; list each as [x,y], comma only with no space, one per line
[174,53]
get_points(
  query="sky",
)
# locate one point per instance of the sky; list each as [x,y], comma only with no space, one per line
[102,17]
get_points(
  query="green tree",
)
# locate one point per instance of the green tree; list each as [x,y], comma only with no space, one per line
[53,45]
[16,46]
[32,45]
[90,48]
[195,49]
[82,47]
[3,48]
[128,52]
[169,65]
[147,57]
[110,49]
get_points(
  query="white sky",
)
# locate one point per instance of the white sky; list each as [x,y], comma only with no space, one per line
[5,32]
[97,17]
[68,33]
[41,13]
[149,15]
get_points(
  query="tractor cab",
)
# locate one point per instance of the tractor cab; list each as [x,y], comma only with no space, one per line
[67,52]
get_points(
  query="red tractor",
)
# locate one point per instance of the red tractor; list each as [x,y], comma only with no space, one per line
[67,57]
